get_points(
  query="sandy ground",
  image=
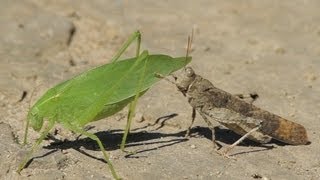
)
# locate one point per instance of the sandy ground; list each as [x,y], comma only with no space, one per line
[268,47]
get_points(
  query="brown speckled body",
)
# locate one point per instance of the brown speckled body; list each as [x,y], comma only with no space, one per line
[236,114]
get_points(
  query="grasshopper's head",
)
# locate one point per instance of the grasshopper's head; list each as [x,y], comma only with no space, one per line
[35,119]
[185,79]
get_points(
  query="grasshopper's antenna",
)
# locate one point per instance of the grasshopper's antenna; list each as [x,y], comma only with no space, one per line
[189,49]
[189,46]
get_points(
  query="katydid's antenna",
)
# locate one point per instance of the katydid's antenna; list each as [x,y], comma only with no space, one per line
[31,96]
[27,123]
[23,96]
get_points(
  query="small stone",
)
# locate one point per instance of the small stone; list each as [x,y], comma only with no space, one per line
[139,118]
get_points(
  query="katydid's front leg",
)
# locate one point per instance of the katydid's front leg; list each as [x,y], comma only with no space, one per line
[36,145]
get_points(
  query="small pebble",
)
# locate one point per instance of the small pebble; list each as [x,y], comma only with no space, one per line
[139,118]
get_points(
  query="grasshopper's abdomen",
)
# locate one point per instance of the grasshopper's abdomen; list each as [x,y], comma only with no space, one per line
[285,131]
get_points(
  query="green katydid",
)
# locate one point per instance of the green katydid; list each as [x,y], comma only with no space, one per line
[99,93]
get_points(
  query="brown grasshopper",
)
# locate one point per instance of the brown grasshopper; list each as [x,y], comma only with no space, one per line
[236,114]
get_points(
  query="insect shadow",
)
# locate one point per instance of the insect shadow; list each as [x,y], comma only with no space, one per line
[111,139]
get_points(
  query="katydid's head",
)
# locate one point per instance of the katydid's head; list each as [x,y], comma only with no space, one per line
[35,119]
[185,79]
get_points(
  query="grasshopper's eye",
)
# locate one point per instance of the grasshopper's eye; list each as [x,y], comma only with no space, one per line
[189,71]
[174,77]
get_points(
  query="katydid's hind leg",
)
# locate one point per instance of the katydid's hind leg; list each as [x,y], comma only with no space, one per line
[132,108]
[127,129]
[95,138]
[135,35]
[193,117]
[251,97]
[36,145]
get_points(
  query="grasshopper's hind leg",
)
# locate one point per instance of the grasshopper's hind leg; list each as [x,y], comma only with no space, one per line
[229,148]
[95,138]
[216,145]
[210,125]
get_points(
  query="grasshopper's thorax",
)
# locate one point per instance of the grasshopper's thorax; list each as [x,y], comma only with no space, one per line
[185,79]
[35,119]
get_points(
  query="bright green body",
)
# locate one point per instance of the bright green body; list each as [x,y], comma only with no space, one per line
[99,93]
[69,100]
